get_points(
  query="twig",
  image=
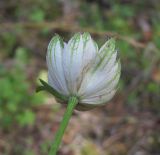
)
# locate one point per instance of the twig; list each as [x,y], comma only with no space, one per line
[138,145]
[71,28]
[117,136]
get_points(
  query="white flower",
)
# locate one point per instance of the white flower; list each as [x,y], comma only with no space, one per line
[79,68]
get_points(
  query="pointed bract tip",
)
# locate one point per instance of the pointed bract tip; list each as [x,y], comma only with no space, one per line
[55,40]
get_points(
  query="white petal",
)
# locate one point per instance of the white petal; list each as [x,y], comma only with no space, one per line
[106,87]
[105,60]
[90,50]
[106,79]
[108,46]
[54,62]
[106,91]
[73,62]
[105,54]
[99,81]
[99,100]
[53,83]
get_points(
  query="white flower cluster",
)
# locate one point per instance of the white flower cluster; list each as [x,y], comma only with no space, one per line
[79,68]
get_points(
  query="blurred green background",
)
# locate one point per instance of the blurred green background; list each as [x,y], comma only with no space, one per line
[128,125]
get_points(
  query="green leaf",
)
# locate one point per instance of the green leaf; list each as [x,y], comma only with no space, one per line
[51,90]
[37,15]
[26,118]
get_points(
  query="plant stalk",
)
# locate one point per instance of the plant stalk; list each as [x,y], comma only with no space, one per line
[73,101]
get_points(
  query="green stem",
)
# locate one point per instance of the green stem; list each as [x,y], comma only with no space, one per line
[67,115]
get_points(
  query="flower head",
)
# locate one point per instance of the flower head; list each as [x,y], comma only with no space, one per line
[78,68]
